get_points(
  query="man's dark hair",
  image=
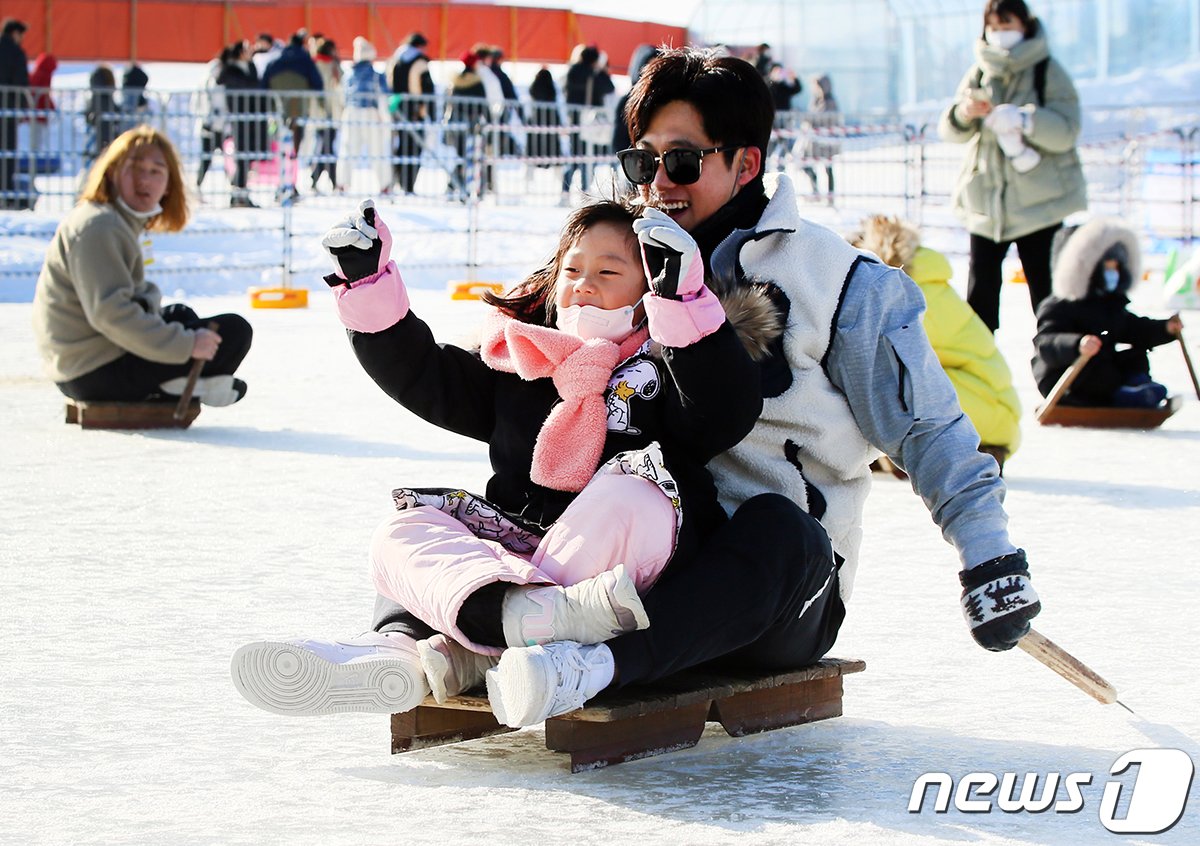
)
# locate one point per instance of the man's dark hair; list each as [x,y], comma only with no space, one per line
[416,39]
[266,36]
[734,102]
[12,25]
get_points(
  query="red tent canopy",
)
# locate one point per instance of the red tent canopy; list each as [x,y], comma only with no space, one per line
[195,30]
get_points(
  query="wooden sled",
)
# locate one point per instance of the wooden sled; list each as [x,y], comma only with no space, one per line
[640,722]
[129,415]
[1054,413]
[1110,417]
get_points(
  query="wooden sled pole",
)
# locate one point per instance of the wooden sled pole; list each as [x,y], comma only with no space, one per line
[197,365]
[1187,358]
[1061,386]
[1070,668]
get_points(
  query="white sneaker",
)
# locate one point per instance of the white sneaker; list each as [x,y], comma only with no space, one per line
[451,668]
[536,682]
[210,390]
[591,611]
[373,673]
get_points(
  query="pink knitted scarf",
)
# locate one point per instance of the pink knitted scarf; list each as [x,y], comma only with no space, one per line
[571,441]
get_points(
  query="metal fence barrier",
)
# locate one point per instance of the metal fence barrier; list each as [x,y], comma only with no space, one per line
[261,155]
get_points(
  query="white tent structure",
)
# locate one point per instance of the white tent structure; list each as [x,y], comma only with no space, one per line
[891,55]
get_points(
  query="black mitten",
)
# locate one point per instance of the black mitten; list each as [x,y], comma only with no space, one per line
[998,601]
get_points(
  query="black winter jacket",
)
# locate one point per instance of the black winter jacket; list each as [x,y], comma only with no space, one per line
[14,72]
[695,401]
[1062,323]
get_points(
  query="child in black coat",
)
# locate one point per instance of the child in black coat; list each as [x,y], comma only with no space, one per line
[1094,266]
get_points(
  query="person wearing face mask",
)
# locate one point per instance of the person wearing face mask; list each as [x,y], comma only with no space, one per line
[603,384]
[99,323]
[852,375]
[1088,314]
[1018,113]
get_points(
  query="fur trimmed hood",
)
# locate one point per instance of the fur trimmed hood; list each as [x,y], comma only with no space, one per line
[751,312]
[1079,251]
[892,240]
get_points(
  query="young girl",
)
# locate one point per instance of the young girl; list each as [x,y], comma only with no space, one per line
[598,444]
[1094,265]
[965,347]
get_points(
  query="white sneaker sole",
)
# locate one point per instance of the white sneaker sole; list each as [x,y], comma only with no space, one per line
[513,687]
[285,679]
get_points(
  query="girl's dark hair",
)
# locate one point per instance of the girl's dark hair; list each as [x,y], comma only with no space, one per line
[1005,9]
[532,300]
[730,94]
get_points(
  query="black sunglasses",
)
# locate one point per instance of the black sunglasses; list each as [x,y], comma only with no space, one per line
[682,165]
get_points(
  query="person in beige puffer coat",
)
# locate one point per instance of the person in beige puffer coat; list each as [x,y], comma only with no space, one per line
[99,323]
[1018,113]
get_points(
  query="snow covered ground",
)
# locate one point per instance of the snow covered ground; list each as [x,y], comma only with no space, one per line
[133,564]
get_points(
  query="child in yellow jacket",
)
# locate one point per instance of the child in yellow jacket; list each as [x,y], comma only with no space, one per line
[964,346]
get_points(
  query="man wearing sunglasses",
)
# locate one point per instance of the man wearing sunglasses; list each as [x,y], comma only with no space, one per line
[852,374]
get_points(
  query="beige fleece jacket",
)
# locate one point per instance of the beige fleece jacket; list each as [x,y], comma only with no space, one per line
[93,303]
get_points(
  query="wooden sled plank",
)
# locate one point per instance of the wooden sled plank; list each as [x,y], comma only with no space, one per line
[431,725]
[643,721]
[787,705]
[597,744]
[129,415]
[1105,417]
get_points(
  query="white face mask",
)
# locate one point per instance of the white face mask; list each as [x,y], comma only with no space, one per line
[588,322]
[1005,39]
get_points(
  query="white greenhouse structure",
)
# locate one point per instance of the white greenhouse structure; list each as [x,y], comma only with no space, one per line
[890,56]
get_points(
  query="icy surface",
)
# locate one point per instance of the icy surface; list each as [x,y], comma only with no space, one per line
[133,564]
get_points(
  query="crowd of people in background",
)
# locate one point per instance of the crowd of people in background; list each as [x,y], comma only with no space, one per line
[366,122]
[366,125]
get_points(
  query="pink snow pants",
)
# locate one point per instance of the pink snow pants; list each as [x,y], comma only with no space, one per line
[430,563]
